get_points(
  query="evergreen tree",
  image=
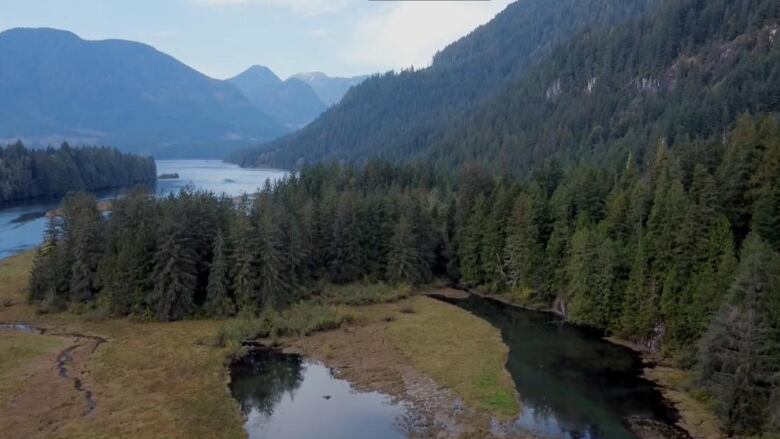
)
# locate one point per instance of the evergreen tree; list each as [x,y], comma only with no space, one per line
[522,252]
[493,237]
[218,294]
[175,278]
[710,284]
[766,217]
[741,351]
[47,273]
[639,317]
[346,255]
[268,257]
[590,291]
[404,263]
[242,263]
[82,234]
[470,251]
[736,171]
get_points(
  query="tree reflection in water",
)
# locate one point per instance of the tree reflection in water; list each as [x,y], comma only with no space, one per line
[262,378]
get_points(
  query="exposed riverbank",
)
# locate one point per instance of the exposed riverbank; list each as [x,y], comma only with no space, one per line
[409,350]
[405,349]
[162,380]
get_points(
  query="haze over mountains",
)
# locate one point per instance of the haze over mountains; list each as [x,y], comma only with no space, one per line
[570,79]
[295,101]
[329,89]
[58,87]
[397,114]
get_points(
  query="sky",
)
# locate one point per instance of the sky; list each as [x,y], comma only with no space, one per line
[221,38]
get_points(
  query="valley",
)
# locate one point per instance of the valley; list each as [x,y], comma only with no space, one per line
[546,219]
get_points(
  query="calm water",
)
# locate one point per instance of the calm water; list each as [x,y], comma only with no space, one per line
[573,384]
[22,225]
[285,397]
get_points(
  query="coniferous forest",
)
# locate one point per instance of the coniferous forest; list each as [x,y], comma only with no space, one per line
[617,163]
[590,80]
[680,252]
[30,173]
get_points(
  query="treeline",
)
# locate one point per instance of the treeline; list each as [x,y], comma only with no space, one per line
[681,254]
[30,173]
[194,253]
[396,115]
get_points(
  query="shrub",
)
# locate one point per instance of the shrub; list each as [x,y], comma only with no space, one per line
[51,303]
[306,318]
[235,332]
[365,294]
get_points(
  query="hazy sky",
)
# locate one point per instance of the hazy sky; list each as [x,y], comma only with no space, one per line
[223,37]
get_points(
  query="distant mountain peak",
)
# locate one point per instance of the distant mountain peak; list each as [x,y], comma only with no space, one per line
[261,71]
[309,76]
[38,34]
[39,31]
[329,89]
[293,102]
[58,86]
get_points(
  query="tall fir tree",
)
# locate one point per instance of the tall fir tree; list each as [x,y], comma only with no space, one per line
[523,254]
[404,265]
[741,351]
[268,257]
[219,301]
[175,277]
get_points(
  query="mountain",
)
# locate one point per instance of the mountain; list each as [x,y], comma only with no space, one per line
[56,86]
[330,90]
[398,114]
[684,71]
[293,103]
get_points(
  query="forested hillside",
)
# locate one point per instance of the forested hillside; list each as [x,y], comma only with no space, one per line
[682,256]
[29,173]
[397,114]
[683,72]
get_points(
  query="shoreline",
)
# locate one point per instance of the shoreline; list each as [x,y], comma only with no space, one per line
[366,363]
[695,418]
[391,352]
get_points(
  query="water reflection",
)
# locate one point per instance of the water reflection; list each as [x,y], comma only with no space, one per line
[573,384]
[260,381]
[285,397]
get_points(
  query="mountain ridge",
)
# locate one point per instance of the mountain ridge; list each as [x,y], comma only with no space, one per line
[330,89]
[291,102]
[60,87]
[398,113]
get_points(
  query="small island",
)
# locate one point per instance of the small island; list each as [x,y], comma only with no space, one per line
[171,176]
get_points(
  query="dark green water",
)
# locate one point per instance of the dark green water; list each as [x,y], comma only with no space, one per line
[572,383]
